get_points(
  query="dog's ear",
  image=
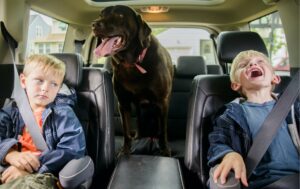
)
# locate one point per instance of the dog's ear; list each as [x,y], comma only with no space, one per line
[144,32]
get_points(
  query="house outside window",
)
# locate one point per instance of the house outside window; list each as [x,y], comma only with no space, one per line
[270,28]
[45,34]
[39,31]
[41,48]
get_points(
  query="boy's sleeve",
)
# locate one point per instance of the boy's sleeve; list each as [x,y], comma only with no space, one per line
[6,134]
[297,114]
[297,108]
[71,142]
[219,140]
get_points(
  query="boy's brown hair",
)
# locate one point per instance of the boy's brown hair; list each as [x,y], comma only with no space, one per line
[46,63]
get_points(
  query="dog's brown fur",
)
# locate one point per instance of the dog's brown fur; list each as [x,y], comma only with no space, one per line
[126,35]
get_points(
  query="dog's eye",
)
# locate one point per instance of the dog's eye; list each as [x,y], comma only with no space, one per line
[121,15]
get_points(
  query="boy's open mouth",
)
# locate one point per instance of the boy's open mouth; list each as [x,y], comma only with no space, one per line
[255,73]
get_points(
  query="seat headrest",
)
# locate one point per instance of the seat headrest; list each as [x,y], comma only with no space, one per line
[108,64]
[190,66]
[96,65]
[74,64]
[6,81]
[230,43]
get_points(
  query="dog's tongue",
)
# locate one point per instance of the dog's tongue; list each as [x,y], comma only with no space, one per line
[108,46]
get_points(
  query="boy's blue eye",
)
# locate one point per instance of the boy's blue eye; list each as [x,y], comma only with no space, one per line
[38,81]
[54,84]
[260,61]
[242,65]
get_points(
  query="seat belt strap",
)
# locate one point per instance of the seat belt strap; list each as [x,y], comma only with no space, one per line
[273,121]
[78,45]
[21,99]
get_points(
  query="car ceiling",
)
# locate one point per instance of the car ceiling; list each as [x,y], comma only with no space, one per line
[195,12]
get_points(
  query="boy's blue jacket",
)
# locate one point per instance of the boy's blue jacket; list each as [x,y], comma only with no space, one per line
[230,133]
[62,132]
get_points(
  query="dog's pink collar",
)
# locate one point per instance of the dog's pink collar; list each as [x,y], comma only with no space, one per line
[139,60]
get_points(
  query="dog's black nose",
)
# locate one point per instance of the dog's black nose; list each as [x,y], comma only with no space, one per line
[99,25]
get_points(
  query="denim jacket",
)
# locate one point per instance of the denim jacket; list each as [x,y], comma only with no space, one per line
[62,132]
[230,132]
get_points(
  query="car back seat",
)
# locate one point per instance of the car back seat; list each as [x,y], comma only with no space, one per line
[118,131]
[95,111]
[7,81]
[186,68]
[209,94]
[96,65]
[214,69]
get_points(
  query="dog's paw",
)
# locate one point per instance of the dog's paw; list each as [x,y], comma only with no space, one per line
[124,151]
[166,152]
[133,135]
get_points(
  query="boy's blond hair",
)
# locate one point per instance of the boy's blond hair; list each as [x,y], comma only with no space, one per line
[46,63]
[244,56]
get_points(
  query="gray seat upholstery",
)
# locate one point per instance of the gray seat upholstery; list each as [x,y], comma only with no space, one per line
[230,43]
[186,68]
[214,69]
[6,82]
[189,66]
[106,66]
[74,65]
[209,94]
[95,111]
[96,65]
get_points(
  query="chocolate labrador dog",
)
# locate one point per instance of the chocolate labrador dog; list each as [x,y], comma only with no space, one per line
[142,71]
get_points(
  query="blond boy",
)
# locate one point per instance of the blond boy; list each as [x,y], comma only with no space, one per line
[253,77]
[42,79]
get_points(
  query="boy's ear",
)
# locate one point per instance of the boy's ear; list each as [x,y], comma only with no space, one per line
[22,80]
[276,80]
[235,86]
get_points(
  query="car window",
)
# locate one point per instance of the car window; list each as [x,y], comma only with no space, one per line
[187,42]
[45,34]
[271,30]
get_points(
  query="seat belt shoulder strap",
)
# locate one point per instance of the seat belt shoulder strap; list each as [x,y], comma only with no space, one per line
[20,97]
[270,126]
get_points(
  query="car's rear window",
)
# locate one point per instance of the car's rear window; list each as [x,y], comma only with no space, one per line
[45,34]
[271,30]
[187,42]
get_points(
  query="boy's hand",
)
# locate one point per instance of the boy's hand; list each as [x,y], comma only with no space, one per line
[231,161]
[26,161]
[12,173]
